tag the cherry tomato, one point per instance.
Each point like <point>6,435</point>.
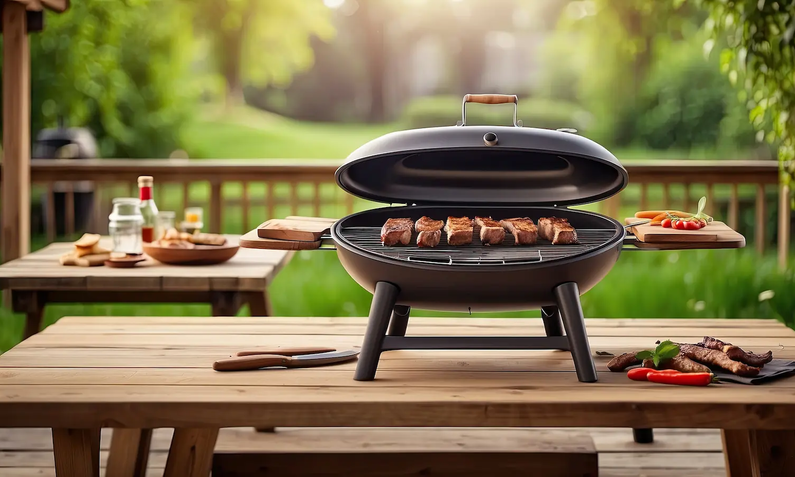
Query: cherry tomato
<point>666,223</point>
<point>692,225</point>
<point>678,224</point>
<point>702,222</point>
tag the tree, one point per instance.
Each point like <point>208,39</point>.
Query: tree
<point>260,42</point>
<point>761,56</point>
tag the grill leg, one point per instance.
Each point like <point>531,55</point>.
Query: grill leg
<point>568,297</point>
<point>399,321</point>
<point>643,436</point>
<point>552,324</point>
<point>384,299</point>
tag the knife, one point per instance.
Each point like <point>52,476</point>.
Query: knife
<point>251,362</point>
<point>286,351</point>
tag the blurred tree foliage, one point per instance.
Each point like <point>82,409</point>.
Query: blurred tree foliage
<point>257,42</point>
<point>760,55</point>
<point>114,67</point>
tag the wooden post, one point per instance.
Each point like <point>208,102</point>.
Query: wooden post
<point>784,212</point>
<point>759,232</point>
<point>16,132</point>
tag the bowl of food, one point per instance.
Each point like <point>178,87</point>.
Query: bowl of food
<point>180,248</point>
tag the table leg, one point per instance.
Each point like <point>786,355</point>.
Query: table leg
<point>191,453</point>
<point>758,453</point>
<point>76,452</point>
<point>259,303</point>
<point>129,452</point>
<point>32,304</point>
<point>225,303</point>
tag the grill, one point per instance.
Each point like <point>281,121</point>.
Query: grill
<point>369,239</point>
<point>484,171</point>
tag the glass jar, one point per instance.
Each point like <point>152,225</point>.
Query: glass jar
<point>193,222</point>
<point>125,223</point>
<point>166,220</point>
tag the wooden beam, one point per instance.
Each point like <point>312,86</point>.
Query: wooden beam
<point>16,132</point>
<point>37,5</point>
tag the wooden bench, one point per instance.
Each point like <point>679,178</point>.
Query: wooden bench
<point>405,451</point>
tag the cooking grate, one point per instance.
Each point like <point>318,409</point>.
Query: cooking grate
<point>369,239</point>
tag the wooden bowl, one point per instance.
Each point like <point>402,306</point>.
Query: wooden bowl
<point>199,255</point>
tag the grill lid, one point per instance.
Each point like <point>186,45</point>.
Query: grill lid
<point>482,165</point>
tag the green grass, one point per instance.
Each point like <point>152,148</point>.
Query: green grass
<point>691,284</point>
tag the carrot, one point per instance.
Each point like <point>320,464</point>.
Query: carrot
<point>657,220</point>
<point>651,214</point>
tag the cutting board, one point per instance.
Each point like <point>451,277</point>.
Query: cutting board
<point>253,240</point>
<point>714,235</point>
<point>304,229</point>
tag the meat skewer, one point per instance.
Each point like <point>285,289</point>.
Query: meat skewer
<point>491,232</point>
<point>736,353</point>
<point>556,230</point>
<point>523,229</point>
<point>459,230</point>
<point>429,231</point>
<point>396,231</point>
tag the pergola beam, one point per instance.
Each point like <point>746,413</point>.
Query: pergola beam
<point>38,5</point>
<point>16,132</point>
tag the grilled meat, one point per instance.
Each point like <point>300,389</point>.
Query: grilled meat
<point>556,230</point>
<point>491,232</point>
<point>396,231</point>
<point>459,230</point>
<point>623,361</point>
<point>427,224</point>
<point>717,358</point>
<point>429,239</point>
<point>736,353</point>
<point>523,229</point>
<point>680,363</point>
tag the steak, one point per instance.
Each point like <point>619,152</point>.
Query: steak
<point>429,231</point>
<point>523,229</point>
<point>459,230</point>
<point>396,231</point>
<point>491,232</point>
<point>558,231</point>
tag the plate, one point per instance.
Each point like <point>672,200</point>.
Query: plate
<point>199,255</point>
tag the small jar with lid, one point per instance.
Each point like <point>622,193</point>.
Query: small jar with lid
<point>166,220</point>
<point>193,222</point>
<point>125,224</point>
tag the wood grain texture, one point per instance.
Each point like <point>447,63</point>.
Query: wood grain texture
<point>252,240</point>
<point>737,452</point>
<point>76,452</point>
<point>705,237</point>
<point>191,452</point>
<point>164,378</point>
<point>129,453</point>
<point>301,230</point>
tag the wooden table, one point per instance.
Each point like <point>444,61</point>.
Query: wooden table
<point>82,374</point>
<point>38,279</point>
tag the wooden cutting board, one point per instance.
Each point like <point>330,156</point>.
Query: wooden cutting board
<point>253,240</point>
<point>301,229</point>
<point>714,235</point>
<point>312,219</point>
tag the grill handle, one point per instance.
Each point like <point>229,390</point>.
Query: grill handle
<point>490,99</point>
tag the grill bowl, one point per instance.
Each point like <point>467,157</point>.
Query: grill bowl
<point>466,288</point>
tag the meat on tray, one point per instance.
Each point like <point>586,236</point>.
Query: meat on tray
<point>491,232</point>
<point>429,231</point>
<point>556,230</point>
<point>459,230</point>
<point>396,231</point>
<point>523,229</point>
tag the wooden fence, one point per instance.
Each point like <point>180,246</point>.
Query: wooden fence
<point>733,188</point>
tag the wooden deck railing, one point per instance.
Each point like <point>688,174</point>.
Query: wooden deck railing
<point>735,190</point>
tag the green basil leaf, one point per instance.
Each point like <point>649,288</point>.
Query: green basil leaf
<point>662,345</point>
<point>656,361</point>
<point>644,355</point>
<point>669,351</point>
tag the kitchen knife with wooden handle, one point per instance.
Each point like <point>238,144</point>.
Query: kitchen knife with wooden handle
<point>286,351</point>
<point>246,363</point>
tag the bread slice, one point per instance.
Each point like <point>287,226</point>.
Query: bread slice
<point>396,231</point>
<point>556,230</point>
<point>491,232</point>
<point>459,230</point>
<point>523,229</point>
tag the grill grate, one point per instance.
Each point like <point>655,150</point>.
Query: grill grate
<point>369,239</point>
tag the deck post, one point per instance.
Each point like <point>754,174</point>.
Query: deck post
<point>16,133</point>
<point>784,212</point>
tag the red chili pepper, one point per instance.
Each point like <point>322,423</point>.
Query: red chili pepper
<point>639,374</point>
<point>682,379</point>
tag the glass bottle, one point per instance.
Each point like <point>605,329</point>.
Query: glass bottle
<point>148,208</point>
<point>125,221</point>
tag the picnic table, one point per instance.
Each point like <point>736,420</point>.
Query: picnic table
<point>38,279</point>
<point>83,374</point>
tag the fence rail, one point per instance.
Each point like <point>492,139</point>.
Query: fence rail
<point>732,187</point>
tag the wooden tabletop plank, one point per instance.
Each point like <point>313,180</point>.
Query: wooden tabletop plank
<point>248,270</point>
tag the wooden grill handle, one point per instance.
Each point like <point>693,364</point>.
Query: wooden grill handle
<point>491,98</point>
<point>244,363</point>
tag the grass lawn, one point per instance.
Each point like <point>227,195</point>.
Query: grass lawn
<point>727,283</point>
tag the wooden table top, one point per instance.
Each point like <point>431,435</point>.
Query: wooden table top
<point>156,372</point>
<point>248,270</point>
